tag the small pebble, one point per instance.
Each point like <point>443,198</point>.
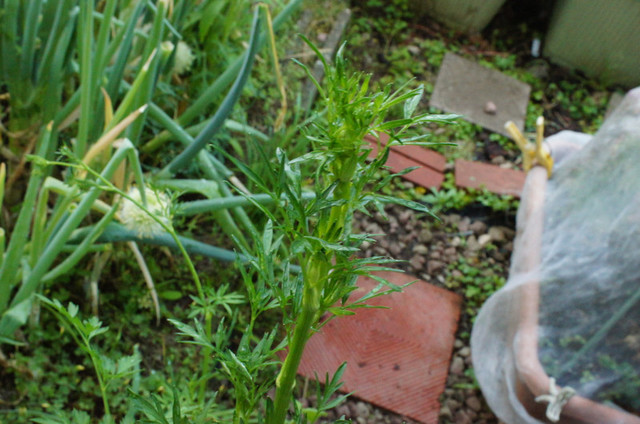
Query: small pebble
<point>484,239</point>
<point>405,216</point>
<point>472,243</point>
<point>362,409</point>
<point>490,108</point>
<point>395,250</point>
<point>445,412</point>
<point>414,50</point>
<point>434,265</point>
<point>457,366</point>
<point>478,227</point>
<point>416,261</point>
<point>474,403</point>
<point>462,418</point>
<point>464,225</point>
<point>420,249</point>
<point>452,404</point>
<point>425,236</point>
<point>451,253</point>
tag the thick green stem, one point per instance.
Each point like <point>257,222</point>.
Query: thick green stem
<point>287,376</point>
<point>315,271</point>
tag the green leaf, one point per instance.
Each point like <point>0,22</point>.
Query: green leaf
<point>267,236</point>
<point>225,108</point>
<point>410,141</point>
<point>196,334</point>
<point>108,364</point>
<point>404,202</point>
<point>176,414</point>
<point>313,79</point>
<point>312,414</point>
<point>153,411</point>
<point>332,246</point>
<point>80,417</point>
<point>300,245</point>
<point>209,15</point>
<point>443,119</point>
<point>394,124</point>
<point>20,312</point>
<point>13,318</point>
<point>92,327</point>
<point>170,295</point>
<point>339,311</point>
<point>411,104</point>
<point>239,365</point>
<point>127,365</point>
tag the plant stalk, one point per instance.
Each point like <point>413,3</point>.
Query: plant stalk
<point>314,273</point>
<point>286,377</point>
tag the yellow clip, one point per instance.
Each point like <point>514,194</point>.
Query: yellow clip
<point>532,155</point>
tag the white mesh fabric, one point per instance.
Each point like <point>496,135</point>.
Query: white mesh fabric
<point>588,269</point>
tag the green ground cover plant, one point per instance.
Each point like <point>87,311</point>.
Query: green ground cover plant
<point>477,280</point>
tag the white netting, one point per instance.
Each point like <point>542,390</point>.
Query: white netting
<point>579,238</point>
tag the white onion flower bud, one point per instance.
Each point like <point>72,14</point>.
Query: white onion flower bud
<point>135,219</point>
<point>184,58</point>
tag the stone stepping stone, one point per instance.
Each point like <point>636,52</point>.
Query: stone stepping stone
<point>397,358</point>
<point>483,96</point>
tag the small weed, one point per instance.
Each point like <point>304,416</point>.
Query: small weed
<point>479,281</point>
<point>450,197</point>
<point>504,142</point>
<point>434,51</point>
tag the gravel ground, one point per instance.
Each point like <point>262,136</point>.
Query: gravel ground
<point>433,251</point>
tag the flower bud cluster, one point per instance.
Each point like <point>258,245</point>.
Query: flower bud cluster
<point>136,219</point>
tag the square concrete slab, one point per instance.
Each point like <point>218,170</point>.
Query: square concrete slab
<point>483,96</point>
<point>397,358</point>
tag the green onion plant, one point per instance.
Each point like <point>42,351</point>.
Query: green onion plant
<point>91,72</point>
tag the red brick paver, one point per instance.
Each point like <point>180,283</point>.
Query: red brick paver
<point>498,180</point>
<point>430,164</point>
<point>422,155</point>
<point>398,358</point>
